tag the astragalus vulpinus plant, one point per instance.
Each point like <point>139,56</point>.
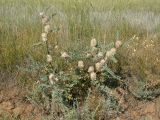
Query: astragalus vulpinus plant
<point>90,72</point>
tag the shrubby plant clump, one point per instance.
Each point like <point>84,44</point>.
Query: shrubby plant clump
<point>85,72</point>
<point>71,80</point>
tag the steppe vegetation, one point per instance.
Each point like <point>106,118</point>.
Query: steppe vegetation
<point>81,59</point>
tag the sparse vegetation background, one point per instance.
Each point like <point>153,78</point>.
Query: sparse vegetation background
<point>80,35</point>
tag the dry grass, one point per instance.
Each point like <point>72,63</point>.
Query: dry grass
<point>135,22</point>
<point>78,22</point>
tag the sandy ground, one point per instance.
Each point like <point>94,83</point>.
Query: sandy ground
<point>13,102</point>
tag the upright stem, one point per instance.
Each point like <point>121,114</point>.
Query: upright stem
<point>47,46</point>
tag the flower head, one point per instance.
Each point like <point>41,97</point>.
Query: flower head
<point>110,53</point>
<point>65,55</point>
<point>45,20</point>
<point>91,69</point>
<point>56,79</point>
<point>113,51</point>
<point>100,54</point>
<point>44,37</point>
<point>80,64</point>
<point>93,76</point>
<point>56,47</point>
<point>102,62</point>
<point>47,28</point>
<point>118,43</point>
<point>98,66</point>
<point>49,58</point>
<point>93,42</point>
<point>41,14</point>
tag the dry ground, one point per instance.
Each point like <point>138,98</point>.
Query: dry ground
<point>14,105</point>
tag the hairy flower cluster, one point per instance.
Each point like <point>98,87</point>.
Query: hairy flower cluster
<point>45,32</point>
<point>81,64</point>
<point>64,55</point>
<point>46,26</point>
<point>93,45</point>
<point>53,79</point>
<point>44,37</point>
<point>98,67</point>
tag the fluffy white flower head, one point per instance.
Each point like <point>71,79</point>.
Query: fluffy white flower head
<point>47,28</point>
<point>91,69</point>
<point>64,55</point>
<point>113,51</point>
<point>102,62</point>
<point>45,20</point>
<point>56,47</point>
<point>118,43</point>
<point>41,14</point>
<point>108,54</point>
<point>49,58</point>
<point>100,54</point>
<point>81,64</point>
<point>98,66</point>
<point>93,76</point>
<point>44,37</point>
<point>93,42</point>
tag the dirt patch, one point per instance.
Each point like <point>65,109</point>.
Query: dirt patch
<point>142,110</point>
<point>13,103</point>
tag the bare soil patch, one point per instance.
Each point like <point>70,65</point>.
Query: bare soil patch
<point>13,103</point>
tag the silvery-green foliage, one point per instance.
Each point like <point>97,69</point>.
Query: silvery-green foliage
<point>69,84</point>
<point>142,92</point>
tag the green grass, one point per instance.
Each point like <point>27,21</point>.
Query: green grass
<point>75,23</point>
<point>78,20</point>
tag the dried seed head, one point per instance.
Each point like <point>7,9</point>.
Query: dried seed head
<point>49,58</point>
<point>56,47</point>
<point>53,79</point>
<point>56,79</point>
<point>118,43</point>
<point>108,54</point>
<point>47,28</point>
<point>44,37</point>
<point>93,76</point>
<point>80,64</point>
<point>41,14</point>
<point>98,66</point>
<point>91,69</point>
<point>93,42</point>
<point>113,51</point>
<point>65,55</point>
<point>102,62</point>
<point>45,20</point>
<point>100,55</point>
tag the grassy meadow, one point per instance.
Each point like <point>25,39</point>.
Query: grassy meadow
<point>74,23</point>
<point>78,21</point>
